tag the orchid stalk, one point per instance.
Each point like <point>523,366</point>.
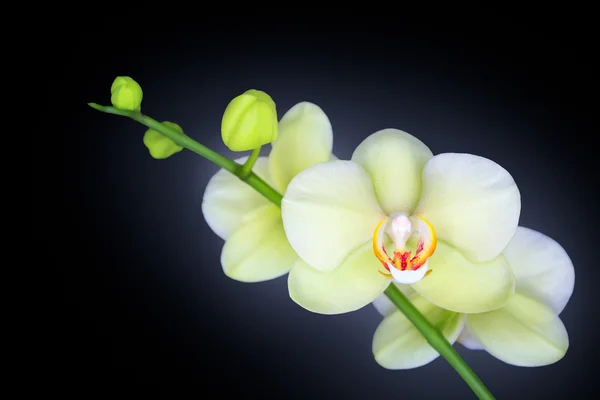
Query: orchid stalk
<point>186,142</point>
<point>244,172</point>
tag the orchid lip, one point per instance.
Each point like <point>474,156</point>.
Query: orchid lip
<point>404,267</point>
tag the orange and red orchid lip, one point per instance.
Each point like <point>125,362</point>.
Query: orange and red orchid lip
<point>403,263</point>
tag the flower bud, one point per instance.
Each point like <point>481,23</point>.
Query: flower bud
<point>126,94</point>
<point>249,121</point>
<point>160,146</point>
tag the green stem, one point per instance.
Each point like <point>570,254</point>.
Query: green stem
<point>438,342</point>
<point>249,177</point>
<point>431,334</point>
<point>247,167</point>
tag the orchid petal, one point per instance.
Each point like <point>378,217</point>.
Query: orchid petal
<point>353,285</point>
<point>525,333</point>
<point>258,250</point>
<point>228,202</point>
<point>473,203</point>
<point>459,285</point>
<point>328,210</point>
<point>542,268</point>
<point>397,344</point>
<point>305,139</point>
<point>395,161</point>
<point>468,340</point>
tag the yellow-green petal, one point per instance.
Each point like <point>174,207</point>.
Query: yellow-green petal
<point>525,333</point>
<point>542,268</point>
<point>460,285</point>
<point>398,344</point>
<point>228,202</point>
<point>305,139</point>
<point>328,210</point>
<point>472,202</point>
<point>353,285</point>
<point>395,161</point>
<point>258,250</point>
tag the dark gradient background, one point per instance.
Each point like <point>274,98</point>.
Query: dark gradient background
<point>144,307</point>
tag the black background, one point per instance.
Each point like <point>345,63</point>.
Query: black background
<point>143,306</point>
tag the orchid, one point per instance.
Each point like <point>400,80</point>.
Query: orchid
<point>526,331</point>
<point>438,235</point>
<point>256,248</point>
<point>457,211</point>
<point>475,275</point>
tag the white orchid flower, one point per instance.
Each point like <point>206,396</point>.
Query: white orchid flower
<point>256,248</point>
<point>526,331</point>
<point>457,211</point>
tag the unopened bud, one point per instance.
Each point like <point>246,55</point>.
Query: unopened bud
<point>159,145</point>
<point>126,94</point>
<point>249,121</point>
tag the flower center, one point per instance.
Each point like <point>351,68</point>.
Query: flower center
<point>404,267</point>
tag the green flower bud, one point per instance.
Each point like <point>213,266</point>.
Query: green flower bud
<point>160,146</point>
<point>126,94</point>
<point>249,121</point>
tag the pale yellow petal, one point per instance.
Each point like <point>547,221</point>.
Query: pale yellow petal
<point>398,344</point>
<point>305,139</point>
<point>228,202</point>
<point>328,211</point>
<point>353,285</point>
<point>395,161</point>
<point>460,285</point>
<point>525,333</point>
<point>472,202</point>
<point>258,250</point>
<point>542,268</point>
